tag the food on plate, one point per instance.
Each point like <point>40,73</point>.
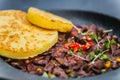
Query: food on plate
<point>84,51</point>
<point>19,39</point>
<point>31,42</point>
<point>48,20</point>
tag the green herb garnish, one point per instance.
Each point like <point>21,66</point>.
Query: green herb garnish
<point>92,56</point>
<point>78,76</point>
<point>104,56</point>
<point>45,75</point>
<point>99,38</point>
<point>107,45</point>
<point>72,75</point>
<point>103,70</point>
<point>112,41</point>
<point>98,51</point>
<point>94,36</point>
<point>89,33</point>
<point>70,52</point>
<point>83,33</point>
<point>97,56</point>
<point>52,76</point>
<point>79,52</point>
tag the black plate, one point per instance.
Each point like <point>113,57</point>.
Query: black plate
<point>77,17</point>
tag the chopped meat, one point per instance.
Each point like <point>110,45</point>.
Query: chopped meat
<point>31,67</point>
<point>60,72</point>
<point>99,64</point>
<point>92,29</point>
<point>117,52</point>
<point>82,59</point>
<point>113,48</point>
<point>41,62</point>
<point>49,67</point>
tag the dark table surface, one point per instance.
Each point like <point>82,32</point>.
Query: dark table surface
<point>109,7</point>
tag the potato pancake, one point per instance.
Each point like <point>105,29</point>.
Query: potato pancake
<point>48,20</point>
<point>19,39</point>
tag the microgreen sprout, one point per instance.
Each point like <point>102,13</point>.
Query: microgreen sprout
<point>109,43</point>
<point>103,70</point>
<point>108,39</point>
<point>79,57</point>
<point>92,62</point>
<point>92,56</point>
<point>104,56</point>
<point>45,75</point>
<point>70,52</point>
<point>79,52</point>
<point>96,38</point>
<point>110,30</point>
<point>98,44</point>
<point>79,30</point>
<point>112,41</point>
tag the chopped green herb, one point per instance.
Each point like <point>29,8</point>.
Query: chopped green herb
<point>78,76</point>
<point>97,56</point>
<point>99,38</point>
<point>103,70</point>
<point>92,56</point>
<point>112,41</point>
<point>89,33</point>
<point>45,75</point>
<point>84,33</point>
<point>70,52</point>
<point>104,56</point>
<point>71,75</point>
<point>94,36</point>
<point>107,45</point>
<point>98,51</point>
<point>52,76</point>
<point>79,51</point>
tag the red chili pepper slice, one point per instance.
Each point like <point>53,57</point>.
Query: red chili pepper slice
<point>89,44</point>
<point>66,47</point>
<point>88,37</point>
<point>84,47</point>
<point>76,46</point>
<point>72,45</point>
<point>75,49</point>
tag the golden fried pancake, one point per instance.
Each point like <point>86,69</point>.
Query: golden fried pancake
<point>19,39</point>
<point>48,20</point>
